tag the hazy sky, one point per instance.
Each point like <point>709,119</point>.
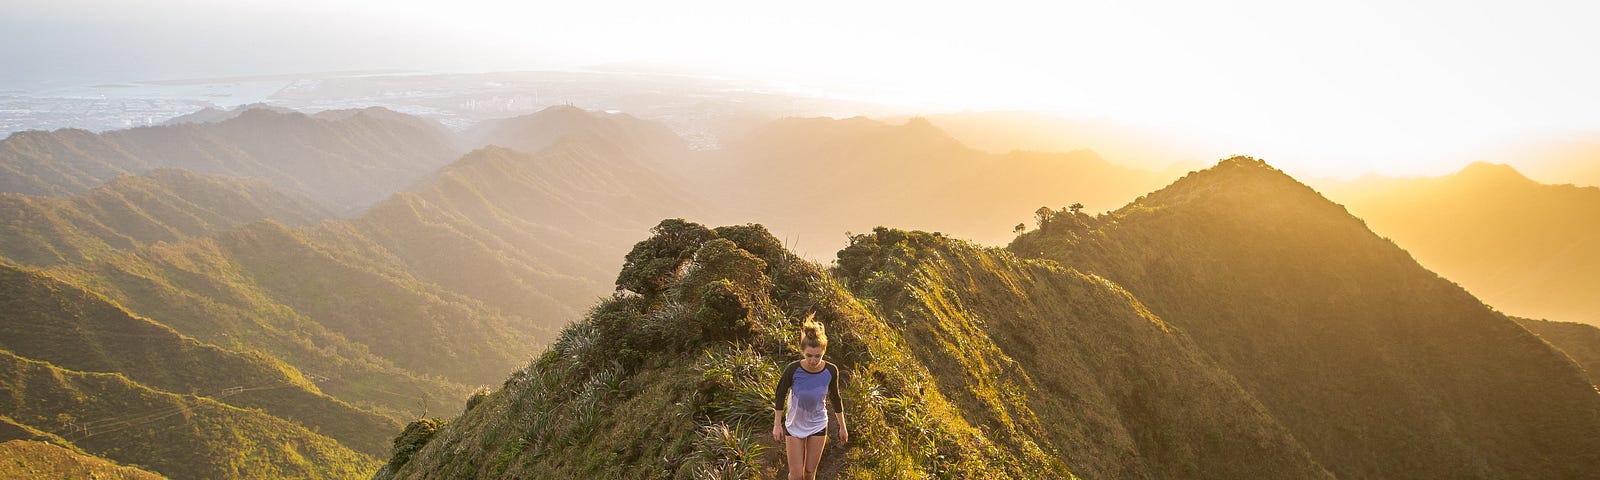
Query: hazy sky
<point>1359,81</point>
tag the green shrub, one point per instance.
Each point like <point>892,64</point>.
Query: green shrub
<point>412,439</point>
<point>722,316</point>
<point>477,397</point>
<point>653,263</point>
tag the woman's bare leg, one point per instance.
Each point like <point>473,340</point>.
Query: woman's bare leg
<point>814,446</point>
<point>795,447</point>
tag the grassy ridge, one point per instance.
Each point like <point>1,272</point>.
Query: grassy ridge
<point>178,436</point>
<point>130,211</point>
<point>1041,354</point>
<point>24,459</point>
<point>47,320</point>
<point>204,289</point>
<point>690,363</point>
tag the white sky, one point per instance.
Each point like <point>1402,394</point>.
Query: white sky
<point>1322,87</point>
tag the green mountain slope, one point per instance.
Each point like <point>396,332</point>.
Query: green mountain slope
<point>1375,364</point>
<point>164,205</point>
<point>343,160</point>
<point>43,319</point>
<point>1525,248</point>
<point>266,287</point>
<point>27,460</point>
<point>11,430</point>
<point>450,284</point>
<point>177,436</point>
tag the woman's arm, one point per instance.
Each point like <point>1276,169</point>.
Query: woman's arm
<point>844,433</point>
<point>780,395</point>
<point>836,405</point>
<point>777,425</point>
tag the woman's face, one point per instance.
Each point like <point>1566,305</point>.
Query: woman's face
<point>813,357</point>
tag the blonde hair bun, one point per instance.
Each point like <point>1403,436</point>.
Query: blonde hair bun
<point>812,333</point>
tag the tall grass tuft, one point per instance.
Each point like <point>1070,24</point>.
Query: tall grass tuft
<point>727,453</point>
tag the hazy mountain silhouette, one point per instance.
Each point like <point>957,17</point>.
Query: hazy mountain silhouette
<point>536,131</point>
<point>816,178</point>
<point>1525,248</point>
<point>214,114</point>
<point>343,160</point>
<point>1146,148</point>
<point>1558,158</point>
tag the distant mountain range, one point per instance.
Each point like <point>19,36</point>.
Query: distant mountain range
<point>344,160</point>
<point>817,178</point>
<point>1525,248</point>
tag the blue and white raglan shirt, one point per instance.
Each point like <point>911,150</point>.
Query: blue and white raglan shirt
<point>804,414</point>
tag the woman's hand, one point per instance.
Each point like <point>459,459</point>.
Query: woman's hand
<point>844,434</point>
<point>777,433</point>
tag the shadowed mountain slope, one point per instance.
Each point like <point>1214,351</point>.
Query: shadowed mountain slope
<point>1375,364</point>
<point>1579,341</point>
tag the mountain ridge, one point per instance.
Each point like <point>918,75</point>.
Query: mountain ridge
<point>1279,280</point>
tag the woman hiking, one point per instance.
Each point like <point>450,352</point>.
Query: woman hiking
<point>807,394</point>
